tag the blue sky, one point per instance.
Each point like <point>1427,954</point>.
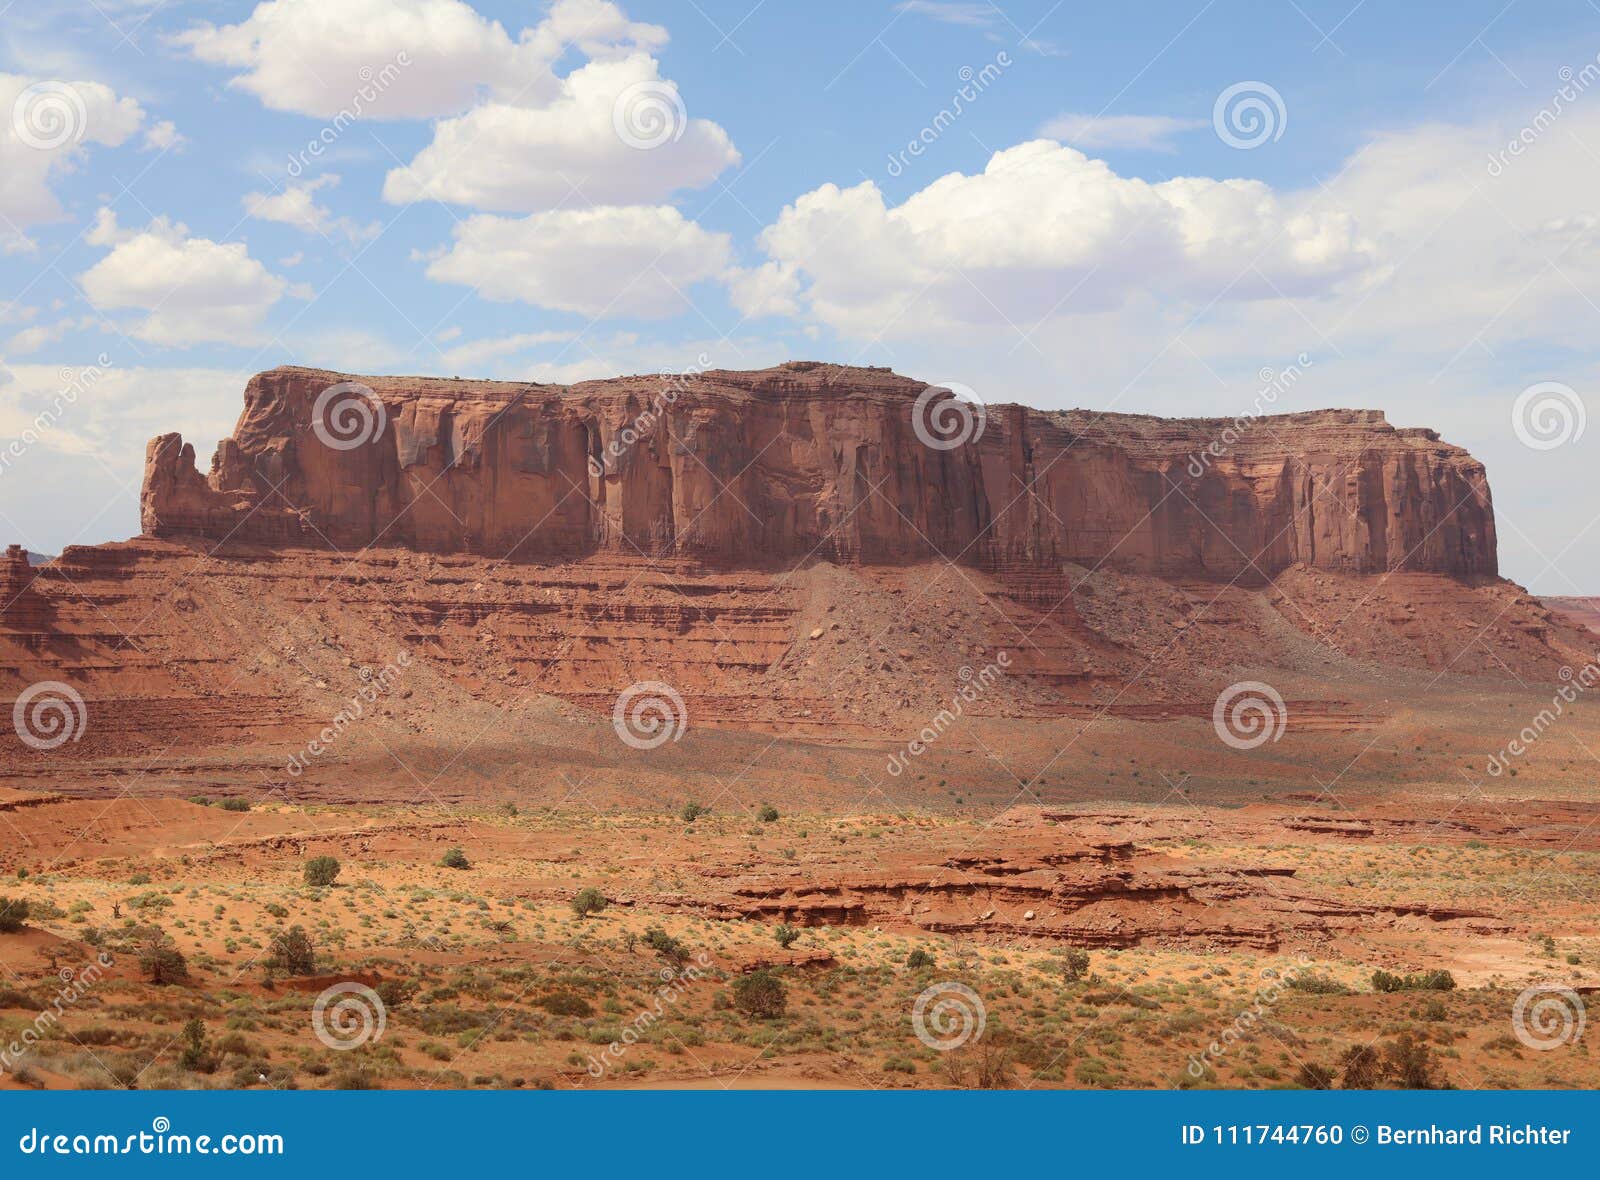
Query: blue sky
<point>1078,230</point>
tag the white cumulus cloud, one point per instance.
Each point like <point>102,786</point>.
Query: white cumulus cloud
<point>1046,229</point>
<point>46,128</point>
<point>314,57</point>
<point>603,262</point>
<point>193,289</point>
<point>584,148</point>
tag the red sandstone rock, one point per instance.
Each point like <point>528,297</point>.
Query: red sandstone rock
<point>806,459</point>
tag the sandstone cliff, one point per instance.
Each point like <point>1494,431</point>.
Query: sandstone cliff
<point>771,467</point>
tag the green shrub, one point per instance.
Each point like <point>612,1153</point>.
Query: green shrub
<point>13,913</point>
<point>234,805</point>
<point>1318,985</point>
<point>588,901</point>
<point>321,871</point>
<point>760,994</point>
<point>768,813</point>
<point>692,811</point>
<point>666,946</point>
<point>786,935</point>
<point>918,959</point>
<point>1428,981</point>
<point>455,859</point>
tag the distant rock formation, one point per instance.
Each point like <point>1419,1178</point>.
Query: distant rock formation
<point>848,464</point>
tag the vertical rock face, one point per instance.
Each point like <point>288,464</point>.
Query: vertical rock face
<point>806,459</point>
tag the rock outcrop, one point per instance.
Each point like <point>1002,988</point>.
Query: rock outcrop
<point>772,467</point>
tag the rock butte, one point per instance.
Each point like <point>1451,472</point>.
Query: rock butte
<point>811,460</point>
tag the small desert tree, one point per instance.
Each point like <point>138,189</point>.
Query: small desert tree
<point>321,871</point>
<point>292,952</point>
<point>768,813</point>
<point>786,935</point>
<point>159,957</point>
<point>455,859</point>
<point>588,901</point>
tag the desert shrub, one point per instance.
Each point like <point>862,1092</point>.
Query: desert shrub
<point>666,946</point>
<point>1409,1064</point>
<point>1074,963</point>
<point>276,910</point>
<point>918,959</point>
<point>987,1064</point>
<point>291,952</point>
<point>692,811</point>
<point>234,805</point>
<point>760,994</point>
<point>768,813</point>
<point>13,913</point>
<point>1315,1077</point>
<point>1435,981</point>
<point>565,1004</point>
<point>786,935</point>
<point>196,1054</point>
<point>159,957</point>
<point>455,859</point>
<point>588,901</point>
<point>321,871</point>
<point>1360,1068</point>
<point>1317,985</point>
